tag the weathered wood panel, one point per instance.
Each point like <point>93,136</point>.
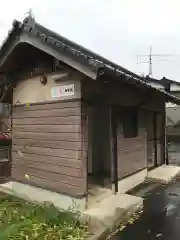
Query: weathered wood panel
<point>50,113</point>
<point>130,142</point>
<point>131,152</point>
<point>48,167</point>
<point>72,145</point>
<point>47,145</point>
<point>57,161</point>
<point>132,161</point>
<point>18,175</point>
<point>45,128</point>
<point>51,176</point>
<point>55,105</point>
<point>47,136</point>
<point>74,154</point>
<point>72,120</point>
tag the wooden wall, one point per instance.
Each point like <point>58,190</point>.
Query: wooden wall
<point>155,137</point>
<point>159,138</point>
<point>131,152</point>
<point>150,140</point>
<point>47,146</point>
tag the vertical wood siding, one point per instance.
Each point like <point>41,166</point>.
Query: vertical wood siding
<point>47,145</point>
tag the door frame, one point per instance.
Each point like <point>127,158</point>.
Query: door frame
<point>152,116</point>
<point>89,127</point>
<point>155,138</point>
<point>113,142</point>
<point>162,139</point>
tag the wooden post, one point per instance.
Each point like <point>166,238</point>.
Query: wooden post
<point>113,142</point>
<point>165,145</point>
<point>155,137</point>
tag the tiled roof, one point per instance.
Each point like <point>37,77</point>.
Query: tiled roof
<point>80,54</point>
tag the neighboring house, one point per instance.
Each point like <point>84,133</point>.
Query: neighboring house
<point>172,118</point>
<point>90,125</point>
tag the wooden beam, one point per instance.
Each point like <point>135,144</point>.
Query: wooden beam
<point>113,154</point>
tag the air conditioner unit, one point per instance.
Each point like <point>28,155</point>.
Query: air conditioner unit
<point>5,109</point>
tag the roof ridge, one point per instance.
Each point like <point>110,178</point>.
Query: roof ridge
<point>73,49</point>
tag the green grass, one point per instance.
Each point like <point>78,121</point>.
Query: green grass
<point>21,220</point>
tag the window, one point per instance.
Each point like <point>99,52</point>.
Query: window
<point>130,122</point>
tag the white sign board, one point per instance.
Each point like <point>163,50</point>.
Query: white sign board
<point>62,91</point>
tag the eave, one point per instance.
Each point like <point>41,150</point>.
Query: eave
<point>81,59</point>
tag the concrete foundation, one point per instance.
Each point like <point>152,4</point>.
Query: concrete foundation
<point>40,195</point>
<point>105,212</point>
<point>104,216</point>
<point>163,174</point>
<point>107,215</point>
<point>128,183</point>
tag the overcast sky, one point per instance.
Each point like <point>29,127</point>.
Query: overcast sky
<point>116,29</point>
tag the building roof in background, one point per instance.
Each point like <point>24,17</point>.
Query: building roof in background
<point>164,83</point>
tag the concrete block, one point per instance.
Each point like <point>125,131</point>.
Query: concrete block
<point>40,195</point>
<point>111,212</point>
<point>128,183</point>
<point>163,174</point>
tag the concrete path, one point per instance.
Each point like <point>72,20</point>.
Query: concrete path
<point>107,215</point>
<point>110,212</point>
<point>163,174</point>
<point>161,216</point>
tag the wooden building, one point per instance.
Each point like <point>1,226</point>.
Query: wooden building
<point>172,118</point>
<point>79,122</point>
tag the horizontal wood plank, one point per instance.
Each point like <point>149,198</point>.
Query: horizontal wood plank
<point>134,148</point>
<point>126,143</point>
<point>47,136</point>
<point>47,106</point>
<point>48,128</point>
<point>131,152</point>
<point>72,120</point>
<point>74,181</point>
<point>74,154</point>
<point>46,145</point>
<point>126,173</point>
<point>54,185</point>
<point>63,112</point>
<point>71,145</point>
<point>59,161</point>
<point>69,171</point>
